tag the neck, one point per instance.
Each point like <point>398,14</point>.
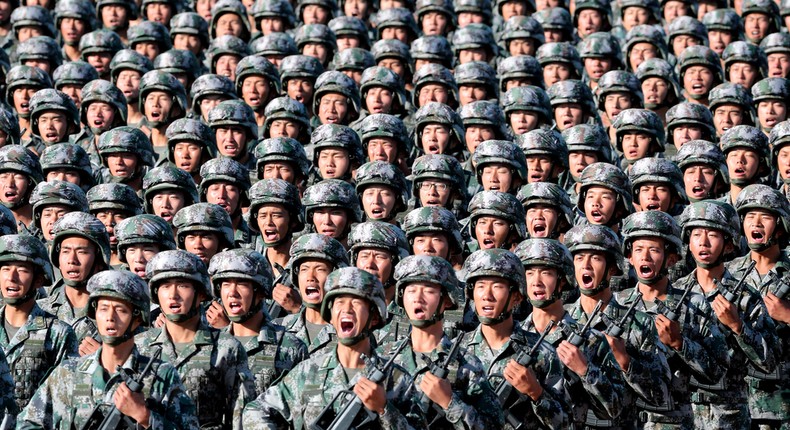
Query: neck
<point>78,297</point>
<point>734,191</point>
<point>656,291</point>
<point>133,115</point>
<point>259,117</point>
<point>588,302</point>
<point>428,338</point>
<point>114,356</point>
<point>183,332</point>
<point>350,356</point>
<point>313,316</point>
<point>705,277</point>
<point>72,52</point>
<point>17,315</point>
<point>158,137</point>
<point>389,294</point>
<point>114,261</point>
<point>279,255</point>
<point>497,334</point>
<point>251,327</point>
<point>766,260</point>
<point>24,124</point>
<point>541,317</point>
<point>24,214</point>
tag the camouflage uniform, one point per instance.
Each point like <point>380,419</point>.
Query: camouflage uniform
<point>236,113</point>
<point>288,109</point>
<point>213,365</point>
<point>498,205</point>
<point>130,140</point>
<point>332,193</point>
<point>584,138</point>
<point>552,195</point>
<point>280,192</point>
<point>68,156</point>
<point>47,100</point>
<point>68,396</point>
<point>140,230</point>
<point>8,409</point>
<point>229,171</point>
<point>659,171</point>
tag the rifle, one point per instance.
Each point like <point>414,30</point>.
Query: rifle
<point>616,329</point>
<point>505,390</point>
<point>441,371</point>
<point>781,289</point>
<point>347,418</point>
<point>731,295</point>
<point>115,419</point>
<point>673,314</point>
<point>576,338</point>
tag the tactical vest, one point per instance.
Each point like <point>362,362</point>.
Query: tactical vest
<point>31,362</point>
<point>205,385</point>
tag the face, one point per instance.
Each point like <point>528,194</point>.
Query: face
<point>147,49</point>
<point>100,115</point>
<point>377,262</point>
<point>674,9</point>
<point>718,40</point>
<point>74,92</point>
<point>397,33</point>
<point>435,244</point>
<point>707,245</point>
<point>379,202</point>
<point>545,4</point>
<point>435,138</point>
<point>466,18</point>
<point>187,156</point>
<point>513,8</point>
<point>555,72</point>
<point>540,168</point>
<point>114,317</point>
<point>15,186</point>
<point>783,162</point>
<point>590,269</point>
<point>434,24</point>
<point>471,93</point>
<point>274,222</point>
<point>331,222</point>
<point>28,32</point>
<point>334,163</point>
<point>742,164</point>
<point>226,66</point>
<point>317,50</point>
<point>76,258</point>
<point>744,74</point>
<point>523,121</point>
<point>698,181</point>
<point>100,62</point>
<point>22,96</point>
<point>596,67</point>
<point>636,145</point>
<point>203,244</point>
<point>159,106</point>
<point>655,196</point>
<point>255,92</point>
<point>356,8</point>
<point>167,204</point>
<point>231,141</point>
<point>477,134</point>
<point>685,133</point>
<point>497,177</point>
<point>315,14</point>
<point>333,108</point>
<point>397,66</point>
<point>542,282</point>
<point>578,160</point>
<point>422,300</point>
<point>435,193</point>
<point>683,41</point>
<point>138,256</point>
<point>110,218</point>
<point>312,274</point>
<point>727,116</point>
<point>472,54</point>
<point>599,205</point>
<point>238,296</point>
<point>756,26</point>
<point>614,103</point>
<point>647,257</point>
<point>541,220</point>
<point>521,47</point>
<point>229,24</point>
<point>121,164</point>
<point>49,215</point>
<point>433,93</point>
<point>641,52</point>
<point>567,115</point>
<point>759,226</point>
<point>491,294</point>
<point>53,127</point>
<point>114,16</point>
<point>552,35</point>
<point>698,81</point>
<point>383,149</point>
<point>63,174</point>
<point>159,12</point>
<point>590,21</point>
<point>71,29</point>
<point>771,112</point>
<point>188,42</point>
<point>226,195</point>
<point>379,100</point>
<point>177,296</point>
<point>635,15</point>
<point>284,128</point>
<point>128,82</point>
<point>779,65</point>
<point>491,232</point>
<point>18,278</point>
<point>279,170</point>
<point>356,75</point>
<point>203,8</point>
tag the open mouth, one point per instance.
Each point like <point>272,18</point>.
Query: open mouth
<point>330,173</point>
<point>433,202</point>
<point>271,235</point>
<point>230,148</point>
<point>111,330</point>
<point>175,308</point>
<point>536,177</point>
<point>653,206</point>
<point>12,291</point>
<point>377,108</point>
<point>697,88</point>
<point>51,137</point>
<point>521,129</point>
<point>587,281</point>
<point>156,114</point>
<point>494,187</point>
<point>312,293</point>
<point>487,243</point>
<point>234,307</point>
<point>347,326</point>
<point>254,101</point>
<point>187,166</point>
<point>539,229</point>
<point>697,191</point>
<point>328,231</point>
<point>139,270</point>
<point>539,294</point>
<point>646,271</point>
<point>166,215</point>
<point>596,216</point>
<point>420,313</point>
<point>332,119</point>
<point>24,107</point>
<point>487,311</point>
<point>71,274</point>
<point>432,148</point>
<point>568,122</point>
<point>224,205</point>
<point>757,236</point>
<point>739,171</point>
<point>11,195</point>
<point>377,213</point>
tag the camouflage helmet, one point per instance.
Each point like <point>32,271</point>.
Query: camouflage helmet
<point>705,153</point>
<point>100,42</point>
<point>255,65</point>
<point>204,217</point>
<point>647,224</point>
<point>690,114</point>
<point>520,67</point>
<point>223,7</point>
<point>157,80</point>
<point>7,222</point>
<point>330,6</point>
<point>82,225</point>
<point>396,17</point>
<point>659,68</point>
<point>433,73</point>
<point>226,45</point>
<point>17,158</point>
<point>120,285</point>
<point>426,269</point>
<point>588,138</point>
<point>556,18</point>
<point>273,9</point>
<point>544,142</point>
<point>379,235</point>
<point>608,176</point>
<point>572,91</point>
<point>598,239</point>
<point>68,156</point>
<point>178,62</point>
<point>645,34</point>
<point>338,83</point>
<point>290,109</point>
<point>477,73</point>
<point>174,264</point>
<point>746,136</point>
<point>315,33</point>
<point>687,26</point>
<point>234,113</point>
<point>24,76</point>
<point>522,27</point>
<point>33,16</point>
<point>548,194</point>
<point>131,8</point>
<point>601,45</point>
<point>393,48</point>
<point>528,98</point>
<point>115,197</point>
<point>224,169</point>
<point>357,283</point>
<point>778,139</point>
<point>143,229</point>
<point>193,131</point>
<point>28,249</point>
<point>475,36</point>
<point>499,263</point>
<point>500,152</point>
<point>300,66</point>
<point>316,246</point>
<point>657,170</point>
<point>9,124</point>
<point>210,85</point>
<point>442,167</point>
<point>759,196</point>
<point>771,89</point>
<point>337,136</point>
<point>192,24</point>
<point>275,44</point>
<point>383,77</point>
<point>433,220</point>
<point>50,99</point>
<point>245,264</point>
<point>275,191</point>
<point>127,59</point>
<point>724,19</point>
<point>744,52</point>
<point>700,55</point>
<point>351,26</point>
<point>481,7</point>
<point>546,253</point>
<point>149,32</point>
<point>383,125</point>
<point>616,81</point>
<point>711,214</point>
<point>775,43</point>
<point>353,59</point>
<point>499,205</point>
<point>601,6</point>
<point>640,121</point>
<point>433,48</point>
<point>282,149</point>
<point>439,113</point>
<point>768,8</point>
<point>485,112</point>
<point>445,7</point>
<point>42,48</point>
<point>82,10</point>
<point>332,193</point>
<point>378,173</point>
<point>560,52</point>
<point>168,177</point>
<point>57,193</point>
<point>734,94</point>
<point>99,90</point>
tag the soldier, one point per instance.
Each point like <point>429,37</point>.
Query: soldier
<point>760,18</point>
<point>183,65</point>
<point>615,92</point>
<point>385,138</point>
<point>438,130</point>
<point>496,220</point>
<point>227,183</point>
<point>190,144</point>
<point>34,341</point>
<point>435,17</point>
<point>700,70</point>
<point>127,155</point>
<point>203,229</point>
<point>431,49</point>
<point>148,38</point>
<point>656,185</point>
<point>527,108</point>
<point>242,281</point>
<point>519,71</point>
<point>354,303</point>
<point>98,48</point>
<point>9,127</point>
<point>353,62</point>
<point>235,131</point>
<point>777,50</point>
<point>337,153</point>
<point>140,238</point>
<point>189,32</point>
<point>495,279</point>
<point>22,82</point>
<point>484,120</point>
<point>316,11</point>
<point>115,15</point>
<point>572,104</point>
<point>744,63</point>
<point>660,87</point>
<point>75,390</point>
<point>40,51</point>
<point>282,158</point>
<point>331,206</point>
<point>548,210</point>
<point>434,83</point>
<point>600,54</point>
<point>126,69</point>
<point>639,134</point>
<point>439,180</point>
<point>695,346</point>
<point>167,190</point>
<point>286,117</point>
<point>587,144</point>
<point>685,31</point>
<point>298,74</point>
<point>723,26</point>
<point>396,23</point>
<point>560,61</point>
<point>111,204</point>
<point>382,189</point>
<point>275,47</point>
<point>257,83</point>
<point>53,117</point>
<point>770,97</point>
<point>350,32</point>
<point>272,16</point>
<point>73,19</point>
<point>604,196</point>
<point>207,92</point>
<point>162,101</point>
<point>425,289</point>
<point>746,150</point>
<point>685,122</point>
<point>213,364</point>
<point>381,93</point>
<point>474,43</point>
<point>731,105</point>
<point>336,99</point>
<point>643,42</point>
<point>158,10</point>
<point>52,200</point>
<point>67,162</point>
<point>229,17</point>
<point>557,24</point>
<point>316,40</point>
<point>704,170</point>
<point>103,107</point>
<point>313,258</point>
<point>546,155</point>
<point>9,409</point>
<point>434,231</point>
<point>20,172</point>
<point>395,55</point>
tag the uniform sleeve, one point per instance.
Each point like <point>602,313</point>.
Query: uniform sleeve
<point>66,345</point>
<point>648,374</point>
<point>275,408</point>
<point>704,348</point>
<point>398,405</point>
<point>243,383</point>
<point>604,382</point>
<point>475,406</point>
<point>758,338</point>
<point>550,408</point>
<point>7,400</point>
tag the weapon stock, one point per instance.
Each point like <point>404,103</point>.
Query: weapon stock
<point>616,329</point>
<point>576,338</point>
<point>732,295</point>
<point>441,372</point>
<point>673,314</point>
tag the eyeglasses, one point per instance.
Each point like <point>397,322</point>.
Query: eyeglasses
<point>439,186</point>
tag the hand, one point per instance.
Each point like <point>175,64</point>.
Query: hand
<point>727,313</point>
<point>288,298</point>
<point>88,346</point>
<point>617,346</point>
<point>572,358</point>
<point>215,315</point>
<point>778,309</point>
<point>669,332</point>
<point>523,379</point>
<point>437,389</point>
<point>160,320</point>
<point>132,405</point>
<point>372,395</point>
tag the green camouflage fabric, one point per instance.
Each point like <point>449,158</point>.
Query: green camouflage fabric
<point>767,8</point>
<point>315,33</point>
<point>652,224</point>
<point>691,114</point>
<point>427,269</point>
<point>393,48</point>
<point>192,131</point>
<point>549,253</point>
<point>235,113</point>
<point>116,197</point>
<point>595,238</point>
<point>433,73</point>
<point>440,167</point>
<point>571,91</point>
<point>640,121</point>
<point>724,19</point>
<point>499,205</point>
<point>128,59</point>
<point>35,16</point>
<point>190,23</point>
<point>130,140</point>
<point>273,8</point>
<point>556,18</point>
<point>560,52</point>
<point>482,7</point>
<point>235,7</point>
<point>177,264</point>
<point>485,112</point>
<point>275,191</point>
<point>334,82</point>
<point>151,32</point>
<point>157,80</point>
<point>102,91</point>
<point>608,176</point>
<point>645,34</point>
<point>434,220</point>
<point>42,48</point>
<point>299,66</point>
<point>358,283</point>
<point>168,177</point>
<point>100,42</point>
<point>351,26</point>
<point>657,170</point>
<point>379,235</point>
<point>735,94</point>
<point>660,68</point>
<point>700,55</point>
<point>433,48</point>
<point>383,77</point>
<point>337,136</point>
<point>143,229</point>
<point>601,45</point>
<point>599,5</point>
<point>78,9</point>
<point>290,109</point>
<point>177,61</point>
<point>588,138</point>
<point>529,98</point>
<point>778,139</point>
<point>25,248</point>
<point>712,215</point>
<point>329,5</point>
<point>83,225</point>
<point>383,125</point>
<point>314,245</point>
<point>275,44</point>
<point>747,137</point>
<point>120,285</point>
<point>67,397</point>
<point>775,42</point>
<point>475,36</point>
<point>204,217</point>
<point>687,26</point>
<point>226,170</point>
<point>226,45</point>
<point>744,52</point>
<point>443,6</point>
<point>705,153</point>
<point>355,59</point>
<point>499,263</point>
<point>332,193</point>
<point>439,113</point>
<point>214,85</point>
<point>771,89</point>
<point>521,27</point>
<point>378,173</point>
<point>546,193</point>
<point>8,409</point>
<point>396,17</point>
<point>758,196</point>
<point>544,142</point>
<point>56,193</point>
<point>619,81</point>
<point>520,67</point>
<point>7,221</point>
<point>258,66</point>
<point>9,125</point>
<point>27,76</point>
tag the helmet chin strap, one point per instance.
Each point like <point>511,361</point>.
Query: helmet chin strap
<point>656,279</point>
<point>127,334</point>
<point>353,340</point>
<point>544,303</point>
<point>180,318</point>
<point>436,317</point>
<point>505,314</point>
<point>254,309</point>
<point>19,301</point>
